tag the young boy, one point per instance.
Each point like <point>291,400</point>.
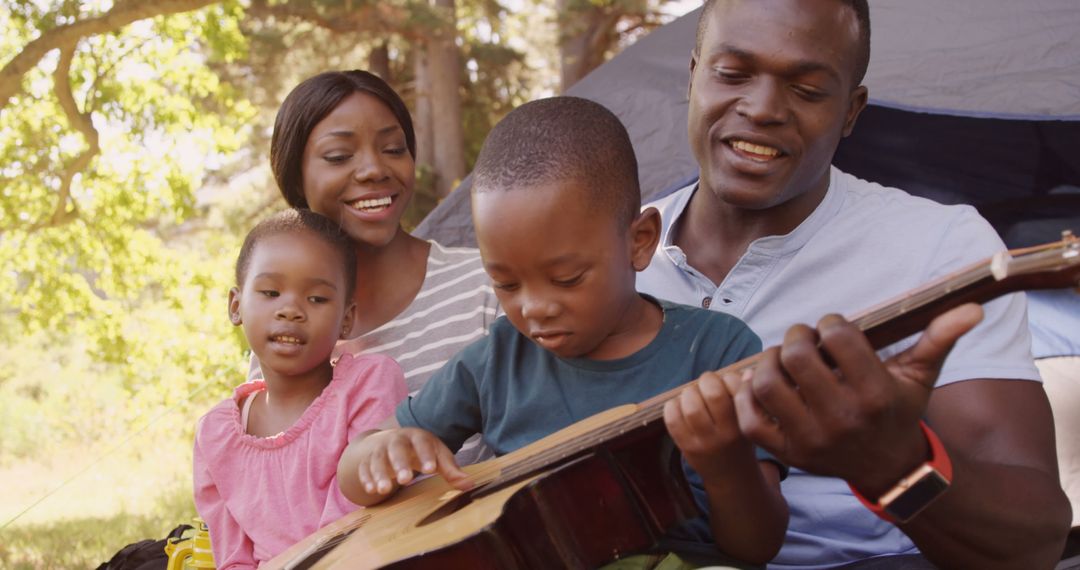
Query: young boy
<point>555,204</point>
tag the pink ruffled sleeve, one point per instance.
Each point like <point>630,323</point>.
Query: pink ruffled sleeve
<point>233,550</point>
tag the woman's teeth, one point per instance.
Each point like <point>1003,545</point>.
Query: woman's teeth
<point>372,204</point>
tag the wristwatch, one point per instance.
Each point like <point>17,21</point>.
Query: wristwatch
<point>917,489</point>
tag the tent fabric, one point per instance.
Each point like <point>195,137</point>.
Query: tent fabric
<point>971,102</point>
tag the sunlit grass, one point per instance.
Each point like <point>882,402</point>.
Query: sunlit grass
<point>92,510</point>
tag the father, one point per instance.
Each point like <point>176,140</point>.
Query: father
<point>775,235</point>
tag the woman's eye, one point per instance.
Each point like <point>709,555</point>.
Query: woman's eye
<point>504,286</point>
<point>337,158</point>
<point>397,151</point>
<point>268,293</point>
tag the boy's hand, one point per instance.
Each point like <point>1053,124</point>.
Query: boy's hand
<point>393,456</point>
<point>702,422</point>
<point>385,460</point>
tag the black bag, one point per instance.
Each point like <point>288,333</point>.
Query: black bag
<point>146,554</point>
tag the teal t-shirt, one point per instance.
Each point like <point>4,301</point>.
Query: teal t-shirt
<point>507,388</point>
<point>514,392</point>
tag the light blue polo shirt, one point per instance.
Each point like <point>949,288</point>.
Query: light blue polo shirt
<point>863,245</point>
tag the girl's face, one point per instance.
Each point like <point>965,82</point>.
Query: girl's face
<point>357,170</point>
<point>292,304</point>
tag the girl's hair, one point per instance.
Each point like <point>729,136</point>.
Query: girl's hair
<point>294,221</point>
<point>310,102</point>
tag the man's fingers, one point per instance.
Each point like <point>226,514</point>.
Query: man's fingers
<point>922,361</point>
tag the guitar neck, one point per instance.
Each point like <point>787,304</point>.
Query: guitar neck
<point>1050,266</point>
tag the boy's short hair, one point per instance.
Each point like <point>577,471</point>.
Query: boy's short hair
<point>558,139</point>
<point>293,221</point>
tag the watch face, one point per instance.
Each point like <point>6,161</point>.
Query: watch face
<point>918,496</point>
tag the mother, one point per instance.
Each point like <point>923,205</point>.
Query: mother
<point>343,145</point>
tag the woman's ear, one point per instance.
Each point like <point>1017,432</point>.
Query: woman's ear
<point>234,307</point>
<point>644,237</point>
<point>348,320</point>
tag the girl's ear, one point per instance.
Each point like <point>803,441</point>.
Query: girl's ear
<point>347,321</point>
<point>644,237</point>
<point>234,307</point>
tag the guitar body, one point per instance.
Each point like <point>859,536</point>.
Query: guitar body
<point>589,508</point>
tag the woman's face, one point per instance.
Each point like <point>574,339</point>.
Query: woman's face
<point>358,171</point>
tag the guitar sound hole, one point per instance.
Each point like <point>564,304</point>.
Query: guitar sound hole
<point>448,508</point>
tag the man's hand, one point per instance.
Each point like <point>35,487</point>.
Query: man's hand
<point>381,461</point>
<point>858,421</point>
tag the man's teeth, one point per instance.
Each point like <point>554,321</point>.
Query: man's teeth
<point>755,149</point>
<point>287,339</point>
<point>372,204</point>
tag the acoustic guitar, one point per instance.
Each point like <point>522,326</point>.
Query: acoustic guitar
<point>610,485</point>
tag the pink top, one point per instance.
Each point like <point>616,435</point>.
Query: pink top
<point>260,495</point>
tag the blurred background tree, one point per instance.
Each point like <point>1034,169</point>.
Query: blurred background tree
<point>133,156</point>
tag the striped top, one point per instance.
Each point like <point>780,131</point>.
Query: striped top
<point>454,307</point>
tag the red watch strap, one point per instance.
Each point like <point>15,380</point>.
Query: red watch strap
<point>939,460</point>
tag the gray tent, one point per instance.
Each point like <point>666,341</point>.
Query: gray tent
<point>970,102</point>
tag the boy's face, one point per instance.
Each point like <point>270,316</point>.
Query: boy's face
<point>292,303</point>
<point>562,270</point>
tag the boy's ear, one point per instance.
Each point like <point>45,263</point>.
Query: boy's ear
<point>644,237</point>
<point>348,320</point>
<point>234,307</point>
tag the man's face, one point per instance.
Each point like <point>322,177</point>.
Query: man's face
<point>562,271</point>
<point>771,94</point>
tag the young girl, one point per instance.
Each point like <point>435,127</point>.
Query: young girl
<point>266,459</point>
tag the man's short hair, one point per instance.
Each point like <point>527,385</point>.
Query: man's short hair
<point>560,139</point>
<point>862,16</point>
<point>295,221</point>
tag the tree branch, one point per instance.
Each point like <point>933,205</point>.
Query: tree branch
<point>81,122</point>
<point>121,14</point>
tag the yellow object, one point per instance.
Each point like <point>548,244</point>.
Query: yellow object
<point>191,552</point>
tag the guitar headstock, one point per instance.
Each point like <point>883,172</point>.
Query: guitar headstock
<point>1051,266</point>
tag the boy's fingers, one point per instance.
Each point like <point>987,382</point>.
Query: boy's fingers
<point>403,460</point>
<point>426,453</point>
<point>449,469</point>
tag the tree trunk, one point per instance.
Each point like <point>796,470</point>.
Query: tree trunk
<point>423,119</point>
<point>445,68</point>
<point>379,61</point>
<point>120,15</point>
<point>586,34</point>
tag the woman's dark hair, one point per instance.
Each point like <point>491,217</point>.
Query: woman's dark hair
<point>309,103</point>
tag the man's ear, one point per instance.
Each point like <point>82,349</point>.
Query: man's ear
<point>856,105</point>
<point>644,237</point>
<point>234,307</point>
<point>347,320</point>
<point>693,65</point>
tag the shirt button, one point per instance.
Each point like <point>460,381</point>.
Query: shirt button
<point>706,302</point>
